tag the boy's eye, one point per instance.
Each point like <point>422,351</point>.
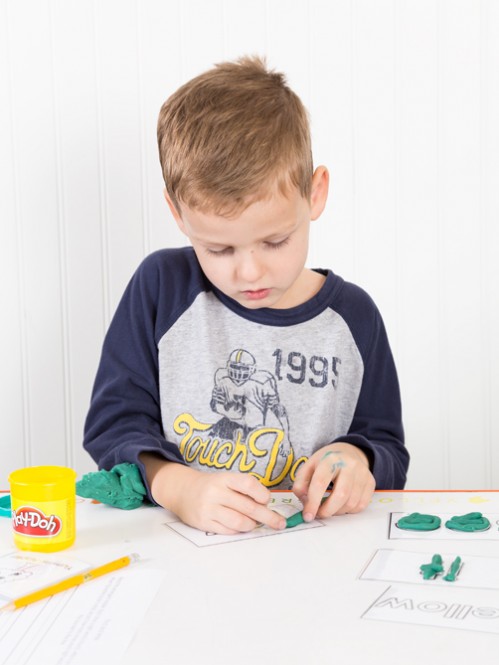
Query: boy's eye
<point>219,252</point>
<point>226,251</point>
<point>277,245</point>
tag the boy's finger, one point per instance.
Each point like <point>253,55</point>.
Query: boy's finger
<point>342,502</point>
<point>312,505</point>
<point>360,497</point>
<point>249,509</point>
<point>249,502</point>
<point>249,486</point>
<point>366,495</point>
<point>272,519</point>
<point>328,468</point>
<point>232,520</point>
<point>303,478</point>
<point>316,490</point>
<point>340,495</point>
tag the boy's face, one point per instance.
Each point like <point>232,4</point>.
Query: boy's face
<point>258,257</point>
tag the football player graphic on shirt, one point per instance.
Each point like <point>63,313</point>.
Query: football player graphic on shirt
<point>244,395</point>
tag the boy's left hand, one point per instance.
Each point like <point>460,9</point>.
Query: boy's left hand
<point>348,467</point>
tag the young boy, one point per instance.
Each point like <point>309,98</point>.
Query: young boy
<point>230,368</point>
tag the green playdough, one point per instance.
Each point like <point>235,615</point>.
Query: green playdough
<point>297,518</point>
<point>453,571</point>
<point>122,487</point>
<point>468,522</point>
<point>294,520</point>
<point>418,522</point>
<point>431,570</point>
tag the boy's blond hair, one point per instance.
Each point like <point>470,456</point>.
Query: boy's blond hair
<point>231,136</point>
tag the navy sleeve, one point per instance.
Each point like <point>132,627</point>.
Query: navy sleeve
<point>124,418</point>
<point>377,427</point>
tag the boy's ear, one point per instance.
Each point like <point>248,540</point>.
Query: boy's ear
<point>176,215</point>
<point>320,188</point>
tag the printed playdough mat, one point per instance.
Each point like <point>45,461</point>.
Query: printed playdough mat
<point>286,504</point>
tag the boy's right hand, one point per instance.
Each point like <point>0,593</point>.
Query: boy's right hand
<point>223,502</point>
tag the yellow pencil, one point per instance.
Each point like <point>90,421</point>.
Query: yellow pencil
<point>76,580</point>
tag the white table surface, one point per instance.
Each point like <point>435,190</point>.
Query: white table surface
<point>293,598</point>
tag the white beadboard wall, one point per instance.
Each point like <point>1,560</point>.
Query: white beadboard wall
<point>404,100</point>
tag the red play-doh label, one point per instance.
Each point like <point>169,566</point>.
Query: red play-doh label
<point>30,521</point>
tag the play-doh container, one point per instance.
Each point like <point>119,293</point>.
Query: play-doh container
<point>43,502</point>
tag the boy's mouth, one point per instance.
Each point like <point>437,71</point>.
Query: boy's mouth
<point>259,294</point>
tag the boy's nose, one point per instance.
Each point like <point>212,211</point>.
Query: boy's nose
<point>249,267</point>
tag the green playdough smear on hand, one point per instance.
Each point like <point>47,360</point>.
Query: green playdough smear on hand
<point>419,522</point>
<point>468,522</point>
<point>122,487</point>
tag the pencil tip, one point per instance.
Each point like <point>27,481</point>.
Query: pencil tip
<point>8,608</point>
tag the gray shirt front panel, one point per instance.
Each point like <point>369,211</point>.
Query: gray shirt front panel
<point>244,396</point>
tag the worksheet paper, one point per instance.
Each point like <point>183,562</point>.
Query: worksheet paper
<point>462,609</point>
<point>386,565</point>
<point>92,623</point>
<point>286,504</point>
<point>442,533</point>
<point>24,572</point>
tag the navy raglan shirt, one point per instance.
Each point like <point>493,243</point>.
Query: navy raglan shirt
<point>190,374</point>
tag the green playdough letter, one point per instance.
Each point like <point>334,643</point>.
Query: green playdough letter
<point>470,522</point>
<point>418,522</point>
